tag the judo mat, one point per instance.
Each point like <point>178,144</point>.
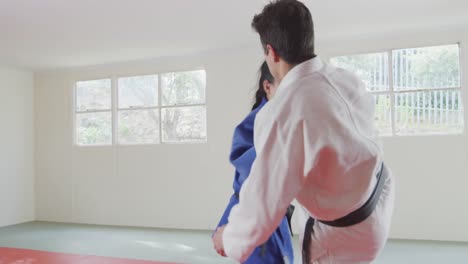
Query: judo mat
<point>26,256</point>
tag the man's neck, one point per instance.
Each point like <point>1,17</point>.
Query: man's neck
<point>284,68</point>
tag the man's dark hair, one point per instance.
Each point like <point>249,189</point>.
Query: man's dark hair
<point>288,27</point>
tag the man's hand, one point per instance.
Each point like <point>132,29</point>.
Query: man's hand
<point>218,241</point>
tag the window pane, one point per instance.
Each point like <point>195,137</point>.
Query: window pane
<point>183,88</point>
<point>371,68</point>
<point>424,68</point>
<point>383,114</point>
<point>184,124</point>
<point>139,127</point>
<point>431,112</point>
<point>93,95</point>
<point>94,128</point>
<point>138,91</point>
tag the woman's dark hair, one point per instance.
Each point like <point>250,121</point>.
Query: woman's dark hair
<point>265,74</point>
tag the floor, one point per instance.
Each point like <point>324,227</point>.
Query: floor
<point>186,246</point>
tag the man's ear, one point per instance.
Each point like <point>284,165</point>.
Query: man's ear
<point>272,53</point>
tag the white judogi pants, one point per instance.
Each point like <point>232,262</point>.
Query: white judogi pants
<point>356,244</point>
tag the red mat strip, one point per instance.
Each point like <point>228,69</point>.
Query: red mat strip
<point>26,256</point>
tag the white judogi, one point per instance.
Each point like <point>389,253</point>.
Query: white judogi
<point>316,142</point>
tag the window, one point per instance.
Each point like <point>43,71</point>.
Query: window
<point>183,112</point>
<point>93,112</point>
<point>417,91</point>
<point>148,109</point>
<point>138,115</point>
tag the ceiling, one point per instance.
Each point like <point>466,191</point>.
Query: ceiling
<point>64,33</point>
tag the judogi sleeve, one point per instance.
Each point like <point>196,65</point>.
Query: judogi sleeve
<point>276,177</point>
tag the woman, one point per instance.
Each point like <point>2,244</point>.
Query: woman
<point>278,248</point>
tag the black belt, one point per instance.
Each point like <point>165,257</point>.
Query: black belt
<point>289,213</point>
<point>351,219</point>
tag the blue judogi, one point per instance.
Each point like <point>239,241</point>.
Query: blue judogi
<point>278,248</point>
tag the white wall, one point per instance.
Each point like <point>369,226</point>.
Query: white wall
<point>174,186</point>
<point>16,147</point>
<point>187,186</point>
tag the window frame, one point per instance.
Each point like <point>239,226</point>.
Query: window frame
<point>392,92</point>
<point>114,110</point>
<point>76,112</point>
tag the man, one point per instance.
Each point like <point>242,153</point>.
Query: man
<point>316,143</point>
